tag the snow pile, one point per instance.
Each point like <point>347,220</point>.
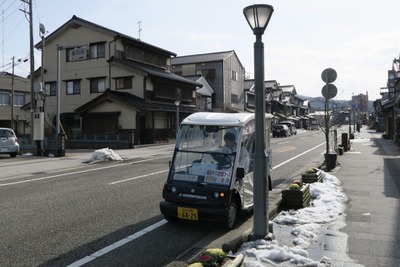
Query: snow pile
<point>326,207</point>
<point>104,154</point>
<point>357,135</point>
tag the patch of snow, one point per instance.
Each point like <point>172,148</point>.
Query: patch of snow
<point>104,154</point>
<point>326,207</point>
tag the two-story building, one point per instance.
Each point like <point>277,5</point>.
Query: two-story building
<point>109,82</point>
<point>15,89</point>
<point>224,73</point>
<point>387,109</point>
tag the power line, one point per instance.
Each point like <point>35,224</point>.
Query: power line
<point>17,8</point>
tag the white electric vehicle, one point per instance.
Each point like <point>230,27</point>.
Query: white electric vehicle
<point>206,181</point>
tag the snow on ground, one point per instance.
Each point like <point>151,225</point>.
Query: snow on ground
<point>104,154</point>
<point>326,207</point>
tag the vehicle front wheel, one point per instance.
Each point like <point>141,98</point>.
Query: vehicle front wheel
<point>232,216</point>
<point>13,155</point>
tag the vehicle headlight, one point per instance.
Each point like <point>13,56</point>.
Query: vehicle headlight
<point>171,189</point>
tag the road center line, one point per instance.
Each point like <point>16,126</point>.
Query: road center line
<point>117,244</point>
<point>137,177</point>
<point>295,157</point>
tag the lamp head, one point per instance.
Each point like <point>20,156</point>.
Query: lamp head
<point>258,17</point>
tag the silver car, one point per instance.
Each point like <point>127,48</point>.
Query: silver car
<point>8,142</point>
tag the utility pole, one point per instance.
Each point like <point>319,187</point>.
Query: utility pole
<point>12,94</point>
<point>32,73</point>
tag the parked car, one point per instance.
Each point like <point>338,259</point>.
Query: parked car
<point>280,130</point>
<point>314,126</point>
<point>8,142</point>
<point>292,127</point>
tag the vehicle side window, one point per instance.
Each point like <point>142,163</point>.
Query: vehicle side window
<point>247,150</point>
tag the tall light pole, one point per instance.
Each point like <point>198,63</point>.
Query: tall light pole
<point>59,48</point>
<point>258,17</point>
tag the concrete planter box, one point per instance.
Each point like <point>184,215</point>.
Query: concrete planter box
<point>312,177</point>
<point>296,199</point>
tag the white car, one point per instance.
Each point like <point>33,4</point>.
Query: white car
<point>8,142</point>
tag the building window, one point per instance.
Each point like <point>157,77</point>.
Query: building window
<point>124,83</point>
<point>97,85</point>
<point>209,74</point>
<point>5,97</point>
<point>97,50</point>
<point>19,99</point>
<point>234,99</point>
<point>73,87</point>
<point>234,75</point>
<point>50,88</point>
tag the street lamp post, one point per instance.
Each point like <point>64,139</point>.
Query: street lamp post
<point>258,17</point>
<point>177,102</point>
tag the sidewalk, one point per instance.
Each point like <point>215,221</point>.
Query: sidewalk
<point>370,175</point>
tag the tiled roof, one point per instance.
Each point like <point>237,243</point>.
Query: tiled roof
<point>138,102</point>
<point>249,84</point>
<point>210,57</point>
<point>79,21</point>
<point>153,71</point>
<point>206,90</point>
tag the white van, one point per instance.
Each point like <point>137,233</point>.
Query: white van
<point>291,126</point>
<point>208,179</point>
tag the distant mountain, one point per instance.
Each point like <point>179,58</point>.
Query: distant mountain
<point>318,103</point>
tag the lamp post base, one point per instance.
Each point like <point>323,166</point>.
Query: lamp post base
<point>269,237</point>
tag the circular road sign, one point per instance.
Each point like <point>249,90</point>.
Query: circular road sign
<point>329,91</point>
<point>329,75</point>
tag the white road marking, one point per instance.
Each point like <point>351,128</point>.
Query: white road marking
<point>117,244</point>
<point>299,155</point>
<point>281,143</point>
<point>137,177</point>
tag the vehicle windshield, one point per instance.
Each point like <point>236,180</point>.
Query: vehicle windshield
<point>205,154</point>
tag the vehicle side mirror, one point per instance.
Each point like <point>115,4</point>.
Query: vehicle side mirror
<point>239,173</point>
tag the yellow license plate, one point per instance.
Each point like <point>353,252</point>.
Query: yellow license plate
<point>188,214</point>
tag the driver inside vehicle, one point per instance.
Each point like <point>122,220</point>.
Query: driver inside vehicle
<point>231,146</point>
<point>230,143</point>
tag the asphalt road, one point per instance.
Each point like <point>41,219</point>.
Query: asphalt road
<point>55,213</point>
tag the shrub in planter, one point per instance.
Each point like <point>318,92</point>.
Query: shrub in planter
<point>312,175</point>
<point>212,257</point>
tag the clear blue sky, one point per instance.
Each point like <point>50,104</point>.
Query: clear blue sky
<point>358,38</point>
